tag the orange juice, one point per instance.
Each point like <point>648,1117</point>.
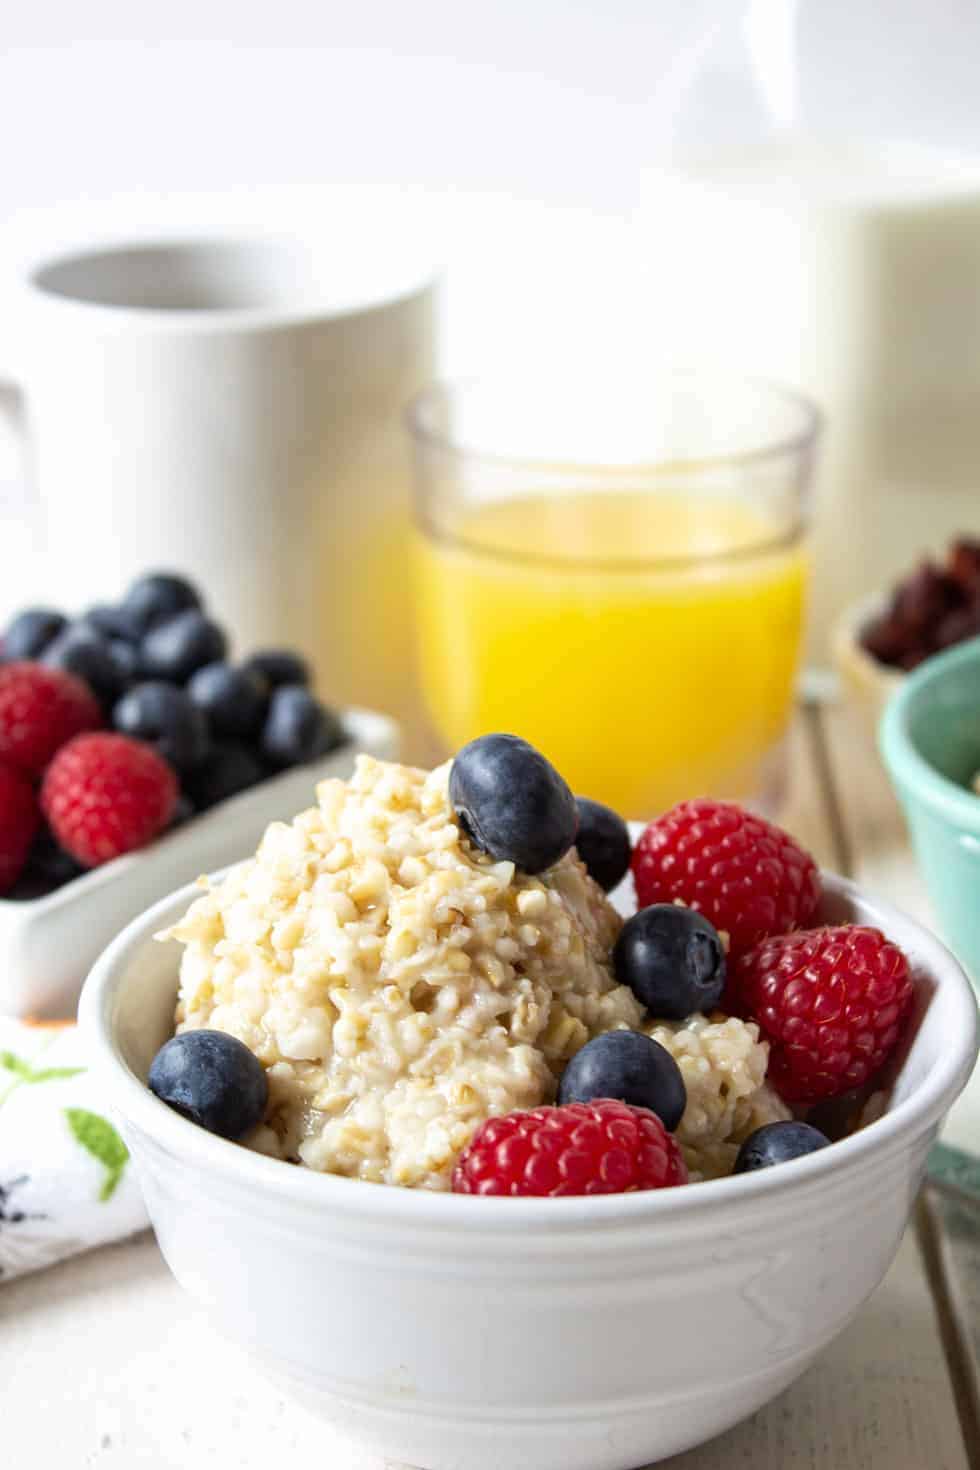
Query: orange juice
<point>646,642</point>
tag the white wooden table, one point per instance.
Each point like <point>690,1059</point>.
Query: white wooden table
<point>105,1363</point>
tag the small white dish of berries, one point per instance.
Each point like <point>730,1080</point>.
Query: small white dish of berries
<point>135,755</point>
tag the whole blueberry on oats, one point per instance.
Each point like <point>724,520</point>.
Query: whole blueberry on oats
<point>212,1079</point>
<point>672,959</point>
<point>631,1067</point>
<point>777,1143</point>
<point>603,843</point>
<point>512,803</point>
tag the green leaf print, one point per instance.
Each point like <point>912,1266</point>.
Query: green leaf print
<point>101,1140</point>
<point>25,1074</point>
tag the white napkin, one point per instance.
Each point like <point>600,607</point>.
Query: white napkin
<point>66,1181</point>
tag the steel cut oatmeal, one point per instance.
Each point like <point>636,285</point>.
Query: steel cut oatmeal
<point>400,988</point>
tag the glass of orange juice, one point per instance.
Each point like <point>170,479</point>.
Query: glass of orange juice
<point>618,574</point>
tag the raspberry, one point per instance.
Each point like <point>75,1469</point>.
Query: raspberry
<point>743,873</point>
<point>19,820</point>
<point>600,1147</point>
<point>830,1002</point>
<point>40,710</point>
<point>105,795</point>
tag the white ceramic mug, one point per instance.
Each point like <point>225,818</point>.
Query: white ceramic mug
<point>233,409</point>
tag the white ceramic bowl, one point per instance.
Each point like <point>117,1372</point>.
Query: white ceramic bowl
<point>573,1334</point>
<point>48,945</point>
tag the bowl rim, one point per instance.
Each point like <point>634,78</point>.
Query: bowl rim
<point>427,1209</point>
<point>908,767</point>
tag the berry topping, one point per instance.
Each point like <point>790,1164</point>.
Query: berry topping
<point>81,650</point>
<point>298,728</point>
<point>19,820</point>
<point>212,1079</point>
<point>830,1002</point>
<point>276,666</point>
<point>165,718</point>
<point>672,959</point>
<point>41,709</point>
<point>512,803</point>
<point>234,700</point>
<point>126,657</point>
<point>157,597</point>
<point>602,842</point>
<point>777,1143</point>
<point>177,648</point>
<point>48,865</point>
<point>631,1067</point>
<point>601,1147</point>
<point>30,632</point>
<point>105,795</point>
<point>743,873</point>
<point>228,769</point>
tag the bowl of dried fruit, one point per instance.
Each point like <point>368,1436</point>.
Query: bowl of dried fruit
<point>883,637</point>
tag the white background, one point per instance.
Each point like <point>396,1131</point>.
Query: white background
<point>519,129</point>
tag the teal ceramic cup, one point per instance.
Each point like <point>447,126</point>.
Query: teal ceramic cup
<point>930,741</point>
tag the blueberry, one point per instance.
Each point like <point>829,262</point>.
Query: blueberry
<point>777,1143</point>
<point>603,843</point>
<point>183,811</point>
<point>165,718</point>
<point>48,868</point>
<point>278,666</point>
<point>298,728</point>
<point>672,959</point>
<point>126,657</point>
<point>512,803</point>
<point>51,861</point>
<point>629,1066</point>
<point>158,597</point>
<point>80,650</point>
<point>114,622</point>
<point>234,700</point>
<point>31,631</point>
<point>212,1079</point>
<point>177,648</point>
<point>228,769</point>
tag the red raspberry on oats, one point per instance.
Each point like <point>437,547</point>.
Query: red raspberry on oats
<point>599,1147</point>
<point>746,875</point>
<point>830,1002</point>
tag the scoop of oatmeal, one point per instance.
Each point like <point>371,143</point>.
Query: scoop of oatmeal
<point>398,986</point>
<point>401,987</point>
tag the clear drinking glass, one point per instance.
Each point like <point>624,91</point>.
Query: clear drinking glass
<point>616,573</point>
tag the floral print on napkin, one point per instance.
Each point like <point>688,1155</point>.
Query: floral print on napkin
<point>66,1182</point>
